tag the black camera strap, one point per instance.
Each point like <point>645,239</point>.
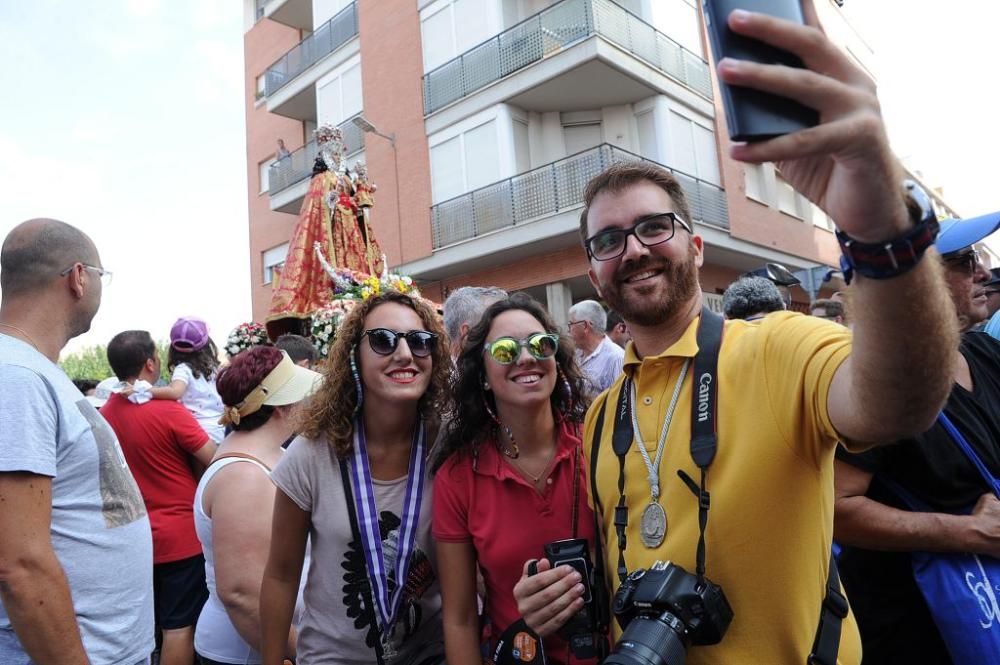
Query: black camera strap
<point>703,434</point>
<point>602,606</point>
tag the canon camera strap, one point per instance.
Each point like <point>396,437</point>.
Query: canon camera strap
<point>703,434</point>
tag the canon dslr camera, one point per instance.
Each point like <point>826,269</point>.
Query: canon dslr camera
<point>663,611</point>
<point>581,630</point>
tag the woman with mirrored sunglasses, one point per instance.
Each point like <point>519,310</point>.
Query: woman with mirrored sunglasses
<point>356,483</point>
<point>509,477</point>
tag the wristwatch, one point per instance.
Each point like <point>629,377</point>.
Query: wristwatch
<point>885,260</point>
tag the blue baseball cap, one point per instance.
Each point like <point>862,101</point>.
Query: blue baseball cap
<point>956,234</point>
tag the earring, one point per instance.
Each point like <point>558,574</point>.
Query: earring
<point>357,382</point>
<point>486,385</point>
<point>513,452</point>
<point>565,384</point>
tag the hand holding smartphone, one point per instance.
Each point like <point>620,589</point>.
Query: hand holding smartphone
<point>753,115</point>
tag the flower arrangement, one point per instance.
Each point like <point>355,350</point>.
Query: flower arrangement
<point>245,336</point>
<point>325,323</point>
<point>354,285</point>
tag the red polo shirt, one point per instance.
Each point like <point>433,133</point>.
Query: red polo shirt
<point>157,437</point>
<point>508,521</point>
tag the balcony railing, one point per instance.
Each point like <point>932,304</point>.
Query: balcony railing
<point>299,165</point>
<point>325,40</point>
<point>552,189</point>
<point>554,28</point>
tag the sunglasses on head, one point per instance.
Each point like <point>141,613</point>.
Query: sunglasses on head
<point>384,341</point>
<point>540,346</point>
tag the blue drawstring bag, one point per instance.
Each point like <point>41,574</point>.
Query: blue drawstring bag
<point>962,590</point>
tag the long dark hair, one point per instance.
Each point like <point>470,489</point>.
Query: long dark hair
<point>470,423</point>
<point>202,362</point>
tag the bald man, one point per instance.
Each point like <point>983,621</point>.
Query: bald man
<point>76,549</point>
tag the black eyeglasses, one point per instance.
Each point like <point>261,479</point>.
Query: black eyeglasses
<point>650,230</point>
<point>540,346</point>
<point>966,261</point>
<point>384,341</point>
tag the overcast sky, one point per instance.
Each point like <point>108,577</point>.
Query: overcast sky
<point>126,119</point>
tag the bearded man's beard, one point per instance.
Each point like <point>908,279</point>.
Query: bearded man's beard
<point>659,305</point>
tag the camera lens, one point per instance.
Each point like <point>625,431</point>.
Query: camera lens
<point>650,640</point>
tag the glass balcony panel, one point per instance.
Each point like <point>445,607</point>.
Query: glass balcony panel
<point>555,28</point>
<point>326,39</point>
<point>551,189</point>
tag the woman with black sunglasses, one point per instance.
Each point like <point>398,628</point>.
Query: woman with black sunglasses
<point>509,478</point>
<point>355,484</point>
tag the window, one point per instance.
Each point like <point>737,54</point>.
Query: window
<point>453,29</point>
<point>646,124</point>
<point>580,137</point>
<point>820,218</point>
<point>264,170</point>
<point>755,187</point>
<point>437,39</point>
<point>261,86</point>
<point>466,162</point>
<point>447,179</point>
<point>482,157</point>
<point>339,96</point>
<point>693,148</point>
<point>273,259</point>
<point>788,198</point>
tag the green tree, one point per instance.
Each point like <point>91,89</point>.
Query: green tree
<point>91,362</point>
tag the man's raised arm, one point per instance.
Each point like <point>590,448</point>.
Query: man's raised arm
<point>900,370</point>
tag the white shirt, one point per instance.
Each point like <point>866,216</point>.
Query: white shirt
<point>602,366</point>
<point>202,400</point>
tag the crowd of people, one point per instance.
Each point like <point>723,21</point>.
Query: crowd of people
<point>485,486</point>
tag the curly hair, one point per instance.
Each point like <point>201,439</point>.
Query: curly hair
<point>329,413</point>
<point>202,362</point>
<point>470,424</point>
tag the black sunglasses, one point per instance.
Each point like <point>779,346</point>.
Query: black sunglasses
<point>649,230</point>
<point>966,261</point>
<point>384,341</point>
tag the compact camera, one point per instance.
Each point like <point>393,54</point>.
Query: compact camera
<point>581,630</point>
<point>664,610</point>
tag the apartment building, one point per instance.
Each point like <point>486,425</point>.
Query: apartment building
<point>482,120</point>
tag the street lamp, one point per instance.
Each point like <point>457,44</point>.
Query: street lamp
<point>365,125</point>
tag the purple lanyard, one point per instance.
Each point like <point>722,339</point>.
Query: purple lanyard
<point>371,540</point>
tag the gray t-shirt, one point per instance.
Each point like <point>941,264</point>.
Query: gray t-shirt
<point>335,628</point>
<point>100,531</point>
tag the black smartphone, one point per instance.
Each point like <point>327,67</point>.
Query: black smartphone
<point>752,115</point>
<point>573,552</point>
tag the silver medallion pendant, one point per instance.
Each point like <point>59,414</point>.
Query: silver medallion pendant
<point>653,527</point>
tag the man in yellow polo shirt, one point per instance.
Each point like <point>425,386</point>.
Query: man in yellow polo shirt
<point>789,386</point>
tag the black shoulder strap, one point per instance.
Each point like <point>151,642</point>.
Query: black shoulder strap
<point>704,404</point>
<point>366,589</point>
<point>831,616</point>
<point>603,591</point>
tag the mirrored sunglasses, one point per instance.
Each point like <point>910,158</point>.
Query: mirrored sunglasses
<point>384,341</point>
<point>540,346</point>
